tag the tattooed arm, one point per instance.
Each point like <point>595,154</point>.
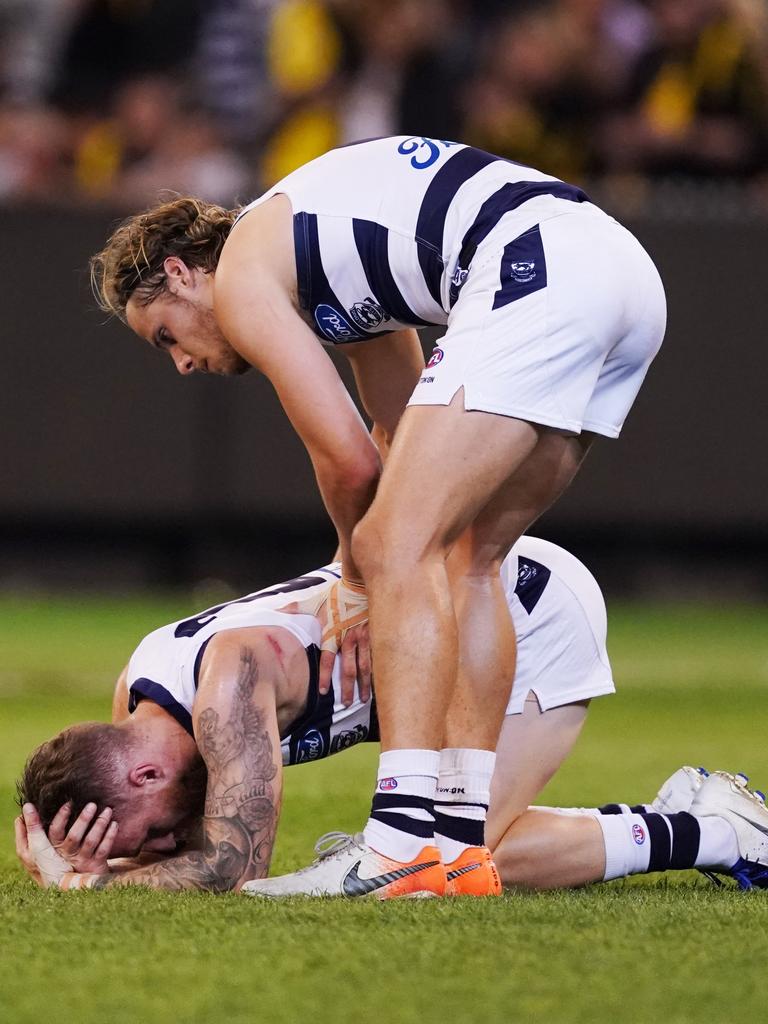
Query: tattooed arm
<point>237,734</point>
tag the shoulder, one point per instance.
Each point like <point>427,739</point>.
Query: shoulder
<point>262,238</point>
<point>258,651</point>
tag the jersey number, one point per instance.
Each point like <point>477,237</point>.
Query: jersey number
<point>418,142</point>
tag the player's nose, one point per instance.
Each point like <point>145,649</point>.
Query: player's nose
<point>183,363</point>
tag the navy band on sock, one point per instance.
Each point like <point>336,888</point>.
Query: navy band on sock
<point>686,836</point>
<point>661,841</point>
<point>463,830</point>
<point>413,826</point>
<point>610,809</point>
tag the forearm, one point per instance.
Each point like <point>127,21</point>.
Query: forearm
<point>232,854</point>
<point>347,496</point>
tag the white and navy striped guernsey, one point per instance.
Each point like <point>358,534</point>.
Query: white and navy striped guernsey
<point>165,666</point>
<point>385,229</point>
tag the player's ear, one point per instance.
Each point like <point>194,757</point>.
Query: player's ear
<point>177,272</point>
<point>145,774</point>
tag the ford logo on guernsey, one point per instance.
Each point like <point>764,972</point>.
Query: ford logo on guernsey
<point>333,324</point>
<point>385,784</point>
<point>310,747</point>
<point>436,357</point>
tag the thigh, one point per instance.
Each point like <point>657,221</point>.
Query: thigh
<point>531,748</point>
<point>539,480</point>
<point>444,467</point>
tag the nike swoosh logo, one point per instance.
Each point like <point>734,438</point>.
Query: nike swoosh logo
<point>354,885</point>
<point>463,870</point>
<point>760,828</point>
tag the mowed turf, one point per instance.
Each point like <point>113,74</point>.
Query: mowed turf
<point>692,689</point>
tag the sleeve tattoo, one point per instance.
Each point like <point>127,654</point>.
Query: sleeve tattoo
<point>241,807</point>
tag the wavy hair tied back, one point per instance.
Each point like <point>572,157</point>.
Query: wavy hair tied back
<point>131,263</point>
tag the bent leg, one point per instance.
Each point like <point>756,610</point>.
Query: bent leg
<point>485,631</point>
<point>542,850</point>
<point>531,748</point>
<point>444,467</point>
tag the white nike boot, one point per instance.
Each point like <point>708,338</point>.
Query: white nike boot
<point>727,796</point>
<point>678,792</point>
<point>347,866</point>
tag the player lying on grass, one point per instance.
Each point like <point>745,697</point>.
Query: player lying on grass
<point>227,689</point>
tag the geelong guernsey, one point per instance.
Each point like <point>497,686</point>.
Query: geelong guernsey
<point>164,667</point>
<point>385,230</point>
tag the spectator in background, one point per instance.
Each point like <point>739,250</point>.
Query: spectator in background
<point>112,41</point>
<point>697,100</point>
<point>513,106</point>
<point>231,71</point>
<point>34,145</point>
<point>152,142</point>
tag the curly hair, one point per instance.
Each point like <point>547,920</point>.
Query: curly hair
<point>131,263</point>
<point>81,764</point>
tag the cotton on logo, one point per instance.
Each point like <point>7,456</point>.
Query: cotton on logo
<point>436,357</point>
<point>638,834</point>
<point>387,784</point>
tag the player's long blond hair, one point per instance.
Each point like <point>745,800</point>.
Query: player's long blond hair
<point>131,263</point>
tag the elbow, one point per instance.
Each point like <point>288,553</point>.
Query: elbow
<point>351,475</point>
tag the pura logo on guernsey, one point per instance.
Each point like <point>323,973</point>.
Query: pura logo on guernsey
<point>333,324</point>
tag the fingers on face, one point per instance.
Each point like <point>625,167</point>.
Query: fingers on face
<point>20,834</point>
<point>58,827</point>
<point>97,832</point>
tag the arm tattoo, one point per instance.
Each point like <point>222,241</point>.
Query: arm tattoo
<point>241,808</point>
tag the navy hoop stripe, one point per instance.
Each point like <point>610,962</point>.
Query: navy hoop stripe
<point>315,292</point>
<point>148,689</point>
<point>508,197</point>
<point>430,224</point>
<point>686,836</point>
<point>396,801</point>
<point>661,841</point>
<point>462,830</point>
<point>372,241</point>
<point>402,822</point>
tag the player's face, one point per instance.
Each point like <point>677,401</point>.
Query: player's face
<point>153,827</point>
<point>164,820</point>
<point>180,321</point>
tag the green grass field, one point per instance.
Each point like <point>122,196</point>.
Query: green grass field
<point>692,686</point>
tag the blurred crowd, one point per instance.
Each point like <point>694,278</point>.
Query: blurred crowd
<point>113,101</point>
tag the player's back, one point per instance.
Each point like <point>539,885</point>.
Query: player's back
<point>379,228</point>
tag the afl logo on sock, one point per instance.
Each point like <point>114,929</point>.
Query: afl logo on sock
<point>638,834</point>
<point>436,357</point>
<point>386,784</point>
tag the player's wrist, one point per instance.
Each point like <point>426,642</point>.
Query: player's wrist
<point>357,586</point>
<point>79,880</point>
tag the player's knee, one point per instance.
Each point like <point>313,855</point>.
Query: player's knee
<point>379,550</point>
<point>516,862</point>
<point>368,546</point>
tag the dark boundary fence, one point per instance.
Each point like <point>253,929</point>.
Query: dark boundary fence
<point>117,472</point>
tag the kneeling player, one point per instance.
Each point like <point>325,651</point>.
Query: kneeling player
<point>223,690</point>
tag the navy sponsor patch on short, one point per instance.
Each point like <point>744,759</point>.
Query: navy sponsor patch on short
<point>523,268</point>
<point>334,325</point>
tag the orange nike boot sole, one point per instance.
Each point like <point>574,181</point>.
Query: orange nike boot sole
<point>473,873</point>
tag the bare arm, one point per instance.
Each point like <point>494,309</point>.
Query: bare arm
<point>237,735</point>
<point>254,306</point>
<point>386,372</point>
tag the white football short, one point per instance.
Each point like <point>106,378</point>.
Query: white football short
<point>556,324</point>
<point>561,638</point>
